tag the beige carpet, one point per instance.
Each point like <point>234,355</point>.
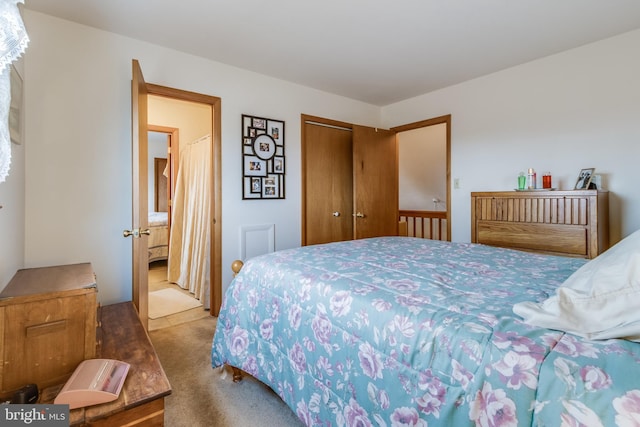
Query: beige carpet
<point>169,301</point>
<point>205,397</point>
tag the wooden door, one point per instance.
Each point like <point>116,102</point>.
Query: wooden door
<point>140,217</point>
<point>375,172</point>
<point>328,184</point>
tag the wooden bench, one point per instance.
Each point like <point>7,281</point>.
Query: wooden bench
<point>141,401</point>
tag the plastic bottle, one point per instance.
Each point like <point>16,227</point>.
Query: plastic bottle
<point>531,179</point>
<point>522,181</point>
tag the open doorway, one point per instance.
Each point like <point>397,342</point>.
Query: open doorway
<point>179,239</point>
<point>169,303</point>
<point>424,170</point>
<point>141,92</point>
<point>160,194</point>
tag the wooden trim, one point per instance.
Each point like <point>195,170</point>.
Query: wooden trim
<point>323,121</point>
<point>303,181</point>
<point>434,227</point>
<point>139,161</point>
<point>148,414</point>
<point>160,189</point>
<point>162,129</point>
<point>173,136</point>
<point>3,331</point>
<point>423,123</point>
<point>424,214</point>
<point>402,229</point>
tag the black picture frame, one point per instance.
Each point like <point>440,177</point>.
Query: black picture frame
<point>264,146</point>
<point>278,164</point>
<point>263,158</point>
<point>254,166</point>
<point>256,185</point>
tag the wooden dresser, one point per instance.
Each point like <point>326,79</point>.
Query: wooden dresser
<point>47,324</point>
<point>571,223</point>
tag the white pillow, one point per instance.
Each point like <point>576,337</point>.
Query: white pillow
<point>600,300</point>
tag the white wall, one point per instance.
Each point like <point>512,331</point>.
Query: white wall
<point>573,110</point>
<point>78,148</point>
<point>12,221</point>
<point>12,217</point>
<point>422,168</point>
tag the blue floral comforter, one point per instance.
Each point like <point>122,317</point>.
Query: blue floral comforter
<point>410,332</point>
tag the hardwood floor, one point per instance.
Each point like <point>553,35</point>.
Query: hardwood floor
<point>157,281</point>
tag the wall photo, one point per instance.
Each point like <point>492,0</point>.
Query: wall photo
<point>263,163</point>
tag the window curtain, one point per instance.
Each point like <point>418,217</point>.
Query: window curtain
<point>13,42</point>
<point>189,255</point>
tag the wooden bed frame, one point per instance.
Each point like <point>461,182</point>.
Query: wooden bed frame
<point>570,223</point>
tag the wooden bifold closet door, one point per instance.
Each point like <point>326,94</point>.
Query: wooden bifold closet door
<point>349,181</point>
<point>328,196</point>
<point>375,172</point>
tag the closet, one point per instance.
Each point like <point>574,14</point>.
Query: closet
<point>349,181</point>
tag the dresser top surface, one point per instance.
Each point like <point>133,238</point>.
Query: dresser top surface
<point>45,280</point>
<point>542,193</point>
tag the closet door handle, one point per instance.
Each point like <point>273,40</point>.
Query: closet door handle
<point>358,215</point>
<point>336,213</point>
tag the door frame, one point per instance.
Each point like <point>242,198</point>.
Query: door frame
<point>446,119</point>
<point>173,148</point>
<point>215,290</point>
<point>139,128</point>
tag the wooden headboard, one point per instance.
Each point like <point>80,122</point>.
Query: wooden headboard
<point>571,223</point>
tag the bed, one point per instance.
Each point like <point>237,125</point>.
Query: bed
<point>400,331</point>
<point>158,242</point>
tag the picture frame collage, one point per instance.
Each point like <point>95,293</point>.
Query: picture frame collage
<point>263,158</point>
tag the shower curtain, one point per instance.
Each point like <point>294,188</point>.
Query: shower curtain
<point>188,264</point>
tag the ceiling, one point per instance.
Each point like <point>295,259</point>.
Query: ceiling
<point>376,51</point>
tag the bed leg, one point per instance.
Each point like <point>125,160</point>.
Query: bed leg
<point>237,374</point>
